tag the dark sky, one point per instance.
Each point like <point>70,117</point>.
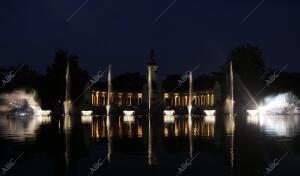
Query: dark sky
<point>122,32</point>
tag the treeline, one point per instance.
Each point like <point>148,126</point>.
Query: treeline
<point>249,72</point>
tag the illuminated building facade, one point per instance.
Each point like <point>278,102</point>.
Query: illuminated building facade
<point>204,98</point>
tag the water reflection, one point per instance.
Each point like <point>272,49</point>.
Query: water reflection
<point>21,128</point>
<point>67,131</point>
<point>86,119</point>
<point>154,141</point>
<point>230,133</point>
<point>109,136</point>
<point>276,125</point>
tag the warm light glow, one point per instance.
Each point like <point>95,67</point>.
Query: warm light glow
<point>128,118</point>
<point>169,119</point>
<point>253,112</point>
<point>45,112</point>
<point>86,119</point>
<point>209,119</point>
<point>86,113</point>
<point>169,112</point>
<point>210,112</point>
<point>128,113</point>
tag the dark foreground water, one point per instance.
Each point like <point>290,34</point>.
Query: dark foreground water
<point>158,145</point>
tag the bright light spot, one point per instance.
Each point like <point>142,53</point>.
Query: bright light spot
<point>253,112</point>
<point>45,112</point>
<point>86,113</point>
<point>44,119</point>
<point>169,119</point>
<point>210,119</point>
<point>210,112</point>
<point>169,112</point>
<point>253,119</point>
<point>281,104</point>
<point>128,118</point>
<point>128,113</point>
<point>86,119</point>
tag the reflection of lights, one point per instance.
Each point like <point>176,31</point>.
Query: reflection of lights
<point>169,112</point>
<point>253,119</point>
<point>21,129</point>
<point>230,126</point>
<point>67,124</point>
<point>169,119</point>
<point>210,119</point>
<point>210,112</point>
<point>129,119</point>
<point>252,112</point>
<point>86,119</point>
<point>140,131</point>
<point>45,119</point>
<point>128,113</point>
<point>279,125</point>
<point>276,125</point>
<point>86,113</point>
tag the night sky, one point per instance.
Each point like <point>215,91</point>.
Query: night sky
<point>122,32</point>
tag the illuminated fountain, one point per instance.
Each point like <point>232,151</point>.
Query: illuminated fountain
<point>149,90</point>
<point>20,103</point>
<point>67,102</point>
<point>190,93</point>
<point>230,99</point>
<point>108,90</point>
<point>281,104</point>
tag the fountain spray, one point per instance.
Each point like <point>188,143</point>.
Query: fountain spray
<point>108,90</point>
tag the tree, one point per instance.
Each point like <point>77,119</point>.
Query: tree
<point>247,62</point>
<point>248,69</point>
<point>55,79</point>
<point>175,83</point>
<point>131,82</point>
